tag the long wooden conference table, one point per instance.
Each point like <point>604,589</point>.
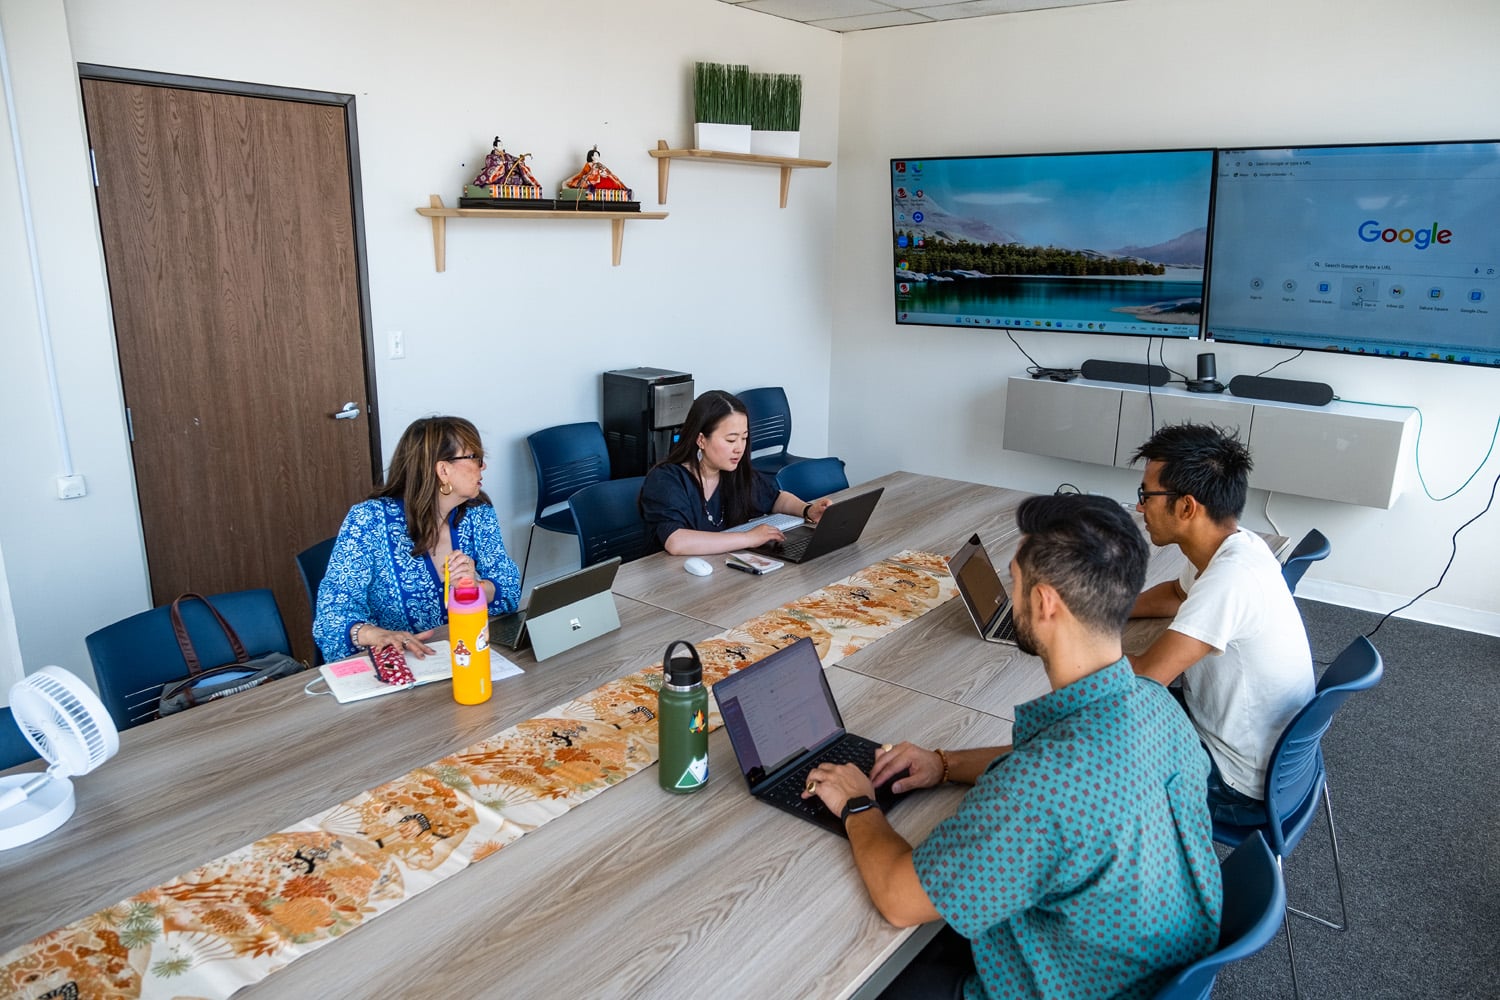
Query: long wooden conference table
<point>633,893</point>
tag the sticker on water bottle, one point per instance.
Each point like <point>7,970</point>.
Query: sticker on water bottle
<point>699,722</point>
<point>696,773</point>
<point>482,641</point>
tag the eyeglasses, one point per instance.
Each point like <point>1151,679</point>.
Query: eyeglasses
<point>473,457</point>
<point>1141,493</point>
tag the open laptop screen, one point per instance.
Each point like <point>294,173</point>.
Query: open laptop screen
<point>978,582</point>
<point>778,708</point>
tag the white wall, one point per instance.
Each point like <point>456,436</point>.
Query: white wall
<point>528,314</point>
<point>1161,74</point>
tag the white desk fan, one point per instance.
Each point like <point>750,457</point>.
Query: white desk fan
<point>69,726</point>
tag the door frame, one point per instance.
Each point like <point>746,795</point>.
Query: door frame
<point>119,74</point>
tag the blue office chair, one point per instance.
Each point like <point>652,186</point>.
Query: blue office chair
<point>1254,905</point>
<point>770,427</point>
<point>608,521</point>
<point>135,657</point>
<point>312,563</point>
<point>15,748</point>
<point>1308,551</point>
<point>567,458</point>
<point>1296,778</point>
<point>813,478</point>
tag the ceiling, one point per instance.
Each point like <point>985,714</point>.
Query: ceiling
<point>860,15</point>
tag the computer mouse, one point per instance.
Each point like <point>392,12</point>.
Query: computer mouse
<point>698,567</point>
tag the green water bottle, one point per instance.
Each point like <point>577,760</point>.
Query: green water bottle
<point>682,721</point>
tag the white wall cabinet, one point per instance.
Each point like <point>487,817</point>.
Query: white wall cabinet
<point>1346,452</point>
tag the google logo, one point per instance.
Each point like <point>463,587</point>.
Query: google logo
<point>1371,232</point>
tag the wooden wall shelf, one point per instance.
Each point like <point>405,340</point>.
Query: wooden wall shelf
<point>664,156</point>
<point>440,214</point>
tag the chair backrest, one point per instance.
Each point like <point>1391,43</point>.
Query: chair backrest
<point>1254,906</point>
<point>15,748</point>
<point>568,458</point>
<point>609,521</point>
<point>312,563</point>
<point>1308,551</point>
<point>812,478</point>
<point>133,658</point>
<point>1295,775</point>
<point>770,417</point>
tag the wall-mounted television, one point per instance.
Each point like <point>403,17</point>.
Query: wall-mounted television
<point>1076,242</point>
<point>1389,250</point>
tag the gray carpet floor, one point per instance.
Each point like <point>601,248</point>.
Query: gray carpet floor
<point>1414,773</point>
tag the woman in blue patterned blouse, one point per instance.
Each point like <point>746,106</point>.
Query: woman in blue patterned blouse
<point>384,585</point>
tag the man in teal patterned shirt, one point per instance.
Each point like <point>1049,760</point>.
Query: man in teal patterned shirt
<point>1081,864</point>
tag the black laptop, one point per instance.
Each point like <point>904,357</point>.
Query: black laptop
<point>783,722</point>
<point>982,592</point>
<point>841,524</point>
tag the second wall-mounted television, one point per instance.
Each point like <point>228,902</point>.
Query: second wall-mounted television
<point>1077,242</point>
<point>1389,250</point>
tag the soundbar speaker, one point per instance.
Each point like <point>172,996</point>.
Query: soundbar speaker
<point>1282,390</point>
<point>1124,371</point>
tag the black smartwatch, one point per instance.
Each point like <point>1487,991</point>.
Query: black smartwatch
<point>858,804</point>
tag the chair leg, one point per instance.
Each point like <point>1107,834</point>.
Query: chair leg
<point>1338,874</point>
<point>530,534</point>
<point>1286,925</point>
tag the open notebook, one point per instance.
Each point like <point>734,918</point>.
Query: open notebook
<point>354,679</point>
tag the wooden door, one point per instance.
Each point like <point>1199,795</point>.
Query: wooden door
<point>229,241</point>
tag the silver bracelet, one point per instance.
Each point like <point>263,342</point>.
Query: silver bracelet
<point>354,633</point>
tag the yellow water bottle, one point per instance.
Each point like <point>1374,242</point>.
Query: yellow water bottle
<point>469,643</point>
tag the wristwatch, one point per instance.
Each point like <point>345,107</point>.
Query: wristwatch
<point>858,804</point>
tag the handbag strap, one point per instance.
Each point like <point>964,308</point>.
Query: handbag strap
<point>185,644</point>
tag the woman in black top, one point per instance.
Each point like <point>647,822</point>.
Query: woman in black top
<point>706,484</point>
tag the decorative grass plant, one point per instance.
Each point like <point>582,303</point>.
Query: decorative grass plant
<point>775,113</point>
<point>775,102</point>
<point>721,93</point>
<point>721,107</point>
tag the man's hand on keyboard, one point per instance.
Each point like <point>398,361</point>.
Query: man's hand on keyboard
<point>836,784</point>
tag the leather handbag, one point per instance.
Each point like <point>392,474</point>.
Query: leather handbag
<point>218,682</point>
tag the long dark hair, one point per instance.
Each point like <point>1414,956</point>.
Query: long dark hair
<point>735,488</point>
<point>412,477</point>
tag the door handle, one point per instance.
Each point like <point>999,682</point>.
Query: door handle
<point>349,412</point>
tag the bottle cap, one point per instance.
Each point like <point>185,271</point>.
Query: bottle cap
<point>684,669</point>
<point>466,592</point>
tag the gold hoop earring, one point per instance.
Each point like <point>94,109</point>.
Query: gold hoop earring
<point>445,489</point>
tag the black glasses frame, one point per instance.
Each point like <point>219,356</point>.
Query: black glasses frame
<point>1141,493</point>
<point>472,456</point>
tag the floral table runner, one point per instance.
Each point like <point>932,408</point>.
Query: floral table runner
<point>241,917</point>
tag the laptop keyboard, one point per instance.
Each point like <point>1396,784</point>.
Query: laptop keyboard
<point>507,631</point>
<point>794,547</point>
<point>781,522</point>
<point>788,791</point>
<point>1007,629</point>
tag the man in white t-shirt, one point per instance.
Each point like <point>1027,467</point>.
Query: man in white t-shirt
<point>1236,638</point>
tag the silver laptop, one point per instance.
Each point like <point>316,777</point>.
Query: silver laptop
<point>982,592</point>
<point>562,613</point>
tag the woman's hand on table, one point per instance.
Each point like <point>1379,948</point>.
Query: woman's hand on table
<point>407,642</point>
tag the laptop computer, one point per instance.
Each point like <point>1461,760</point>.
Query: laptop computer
<point>562,613</point>
<point>840,525</point>
<point>982,592</point>
<point>782,722</point>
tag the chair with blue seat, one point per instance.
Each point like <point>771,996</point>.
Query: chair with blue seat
<point>567,458</point>
<point>312,564</point>
<point>1254,906</point>
<point>15,748</point>
<point>770,418</point>
<point>608,521</point>
<point>135,657</point>
<point>1296,778</point>
<point>813,478</point>
<point>1312,548</point>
